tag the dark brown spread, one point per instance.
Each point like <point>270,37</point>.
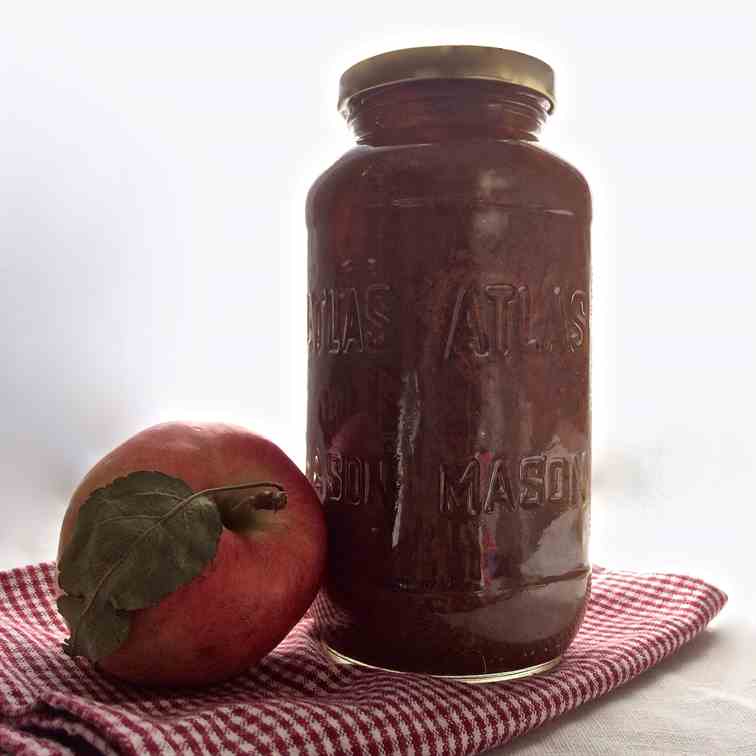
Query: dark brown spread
<point>448,420</point>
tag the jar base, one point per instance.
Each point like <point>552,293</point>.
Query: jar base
<point>492,677</point>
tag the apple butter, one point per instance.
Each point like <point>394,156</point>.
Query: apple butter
<point>448,333</point>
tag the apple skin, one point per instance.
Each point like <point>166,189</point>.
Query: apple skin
<point>259,584</point>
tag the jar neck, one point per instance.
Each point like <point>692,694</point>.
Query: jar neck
<point>441,110</point>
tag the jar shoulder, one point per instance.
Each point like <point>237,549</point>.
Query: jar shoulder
<point>509,173</point>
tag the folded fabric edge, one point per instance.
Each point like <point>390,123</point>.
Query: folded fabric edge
<point>14,739</point>
<point>679,576</point>
<point>675,581</point>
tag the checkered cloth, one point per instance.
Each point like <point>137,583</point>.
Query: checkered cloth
<point>299,702</point>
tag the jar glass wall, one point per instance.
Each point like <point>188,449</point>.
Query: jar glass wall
<point>448,414</point>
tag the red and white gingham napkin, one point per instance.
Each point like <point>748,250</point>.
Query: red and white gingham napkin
<point>297,702</point>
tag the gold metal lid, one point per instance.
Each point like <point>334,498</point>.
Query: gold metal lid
<point>447,62</point>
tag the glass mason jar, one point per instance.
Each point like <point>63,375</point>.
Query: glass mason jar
<point>448,332</point>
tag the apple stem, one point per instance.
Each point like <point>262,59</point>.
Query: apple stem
<point>239,515</point>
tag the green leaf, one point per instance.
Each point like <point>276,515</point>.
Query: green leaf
<point>101,631</point>
<point>135,541</point>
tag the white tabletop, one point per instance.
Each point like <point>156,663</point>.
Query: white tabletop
<point>701,701</point>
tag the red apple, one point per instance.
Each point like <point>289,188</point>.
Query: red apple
<point>255,589</point>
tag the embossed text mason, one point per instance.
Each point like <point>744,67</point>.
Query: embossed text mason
<point>448,334</point>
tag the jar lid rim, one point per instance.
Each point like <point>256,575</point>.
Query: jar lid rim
<point>447,62</point>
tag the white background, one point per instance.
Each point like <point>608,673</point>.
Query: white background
<point>154,161</point>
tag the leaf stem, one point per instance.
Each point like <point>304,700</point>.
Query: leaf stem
<point>238,487</point>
